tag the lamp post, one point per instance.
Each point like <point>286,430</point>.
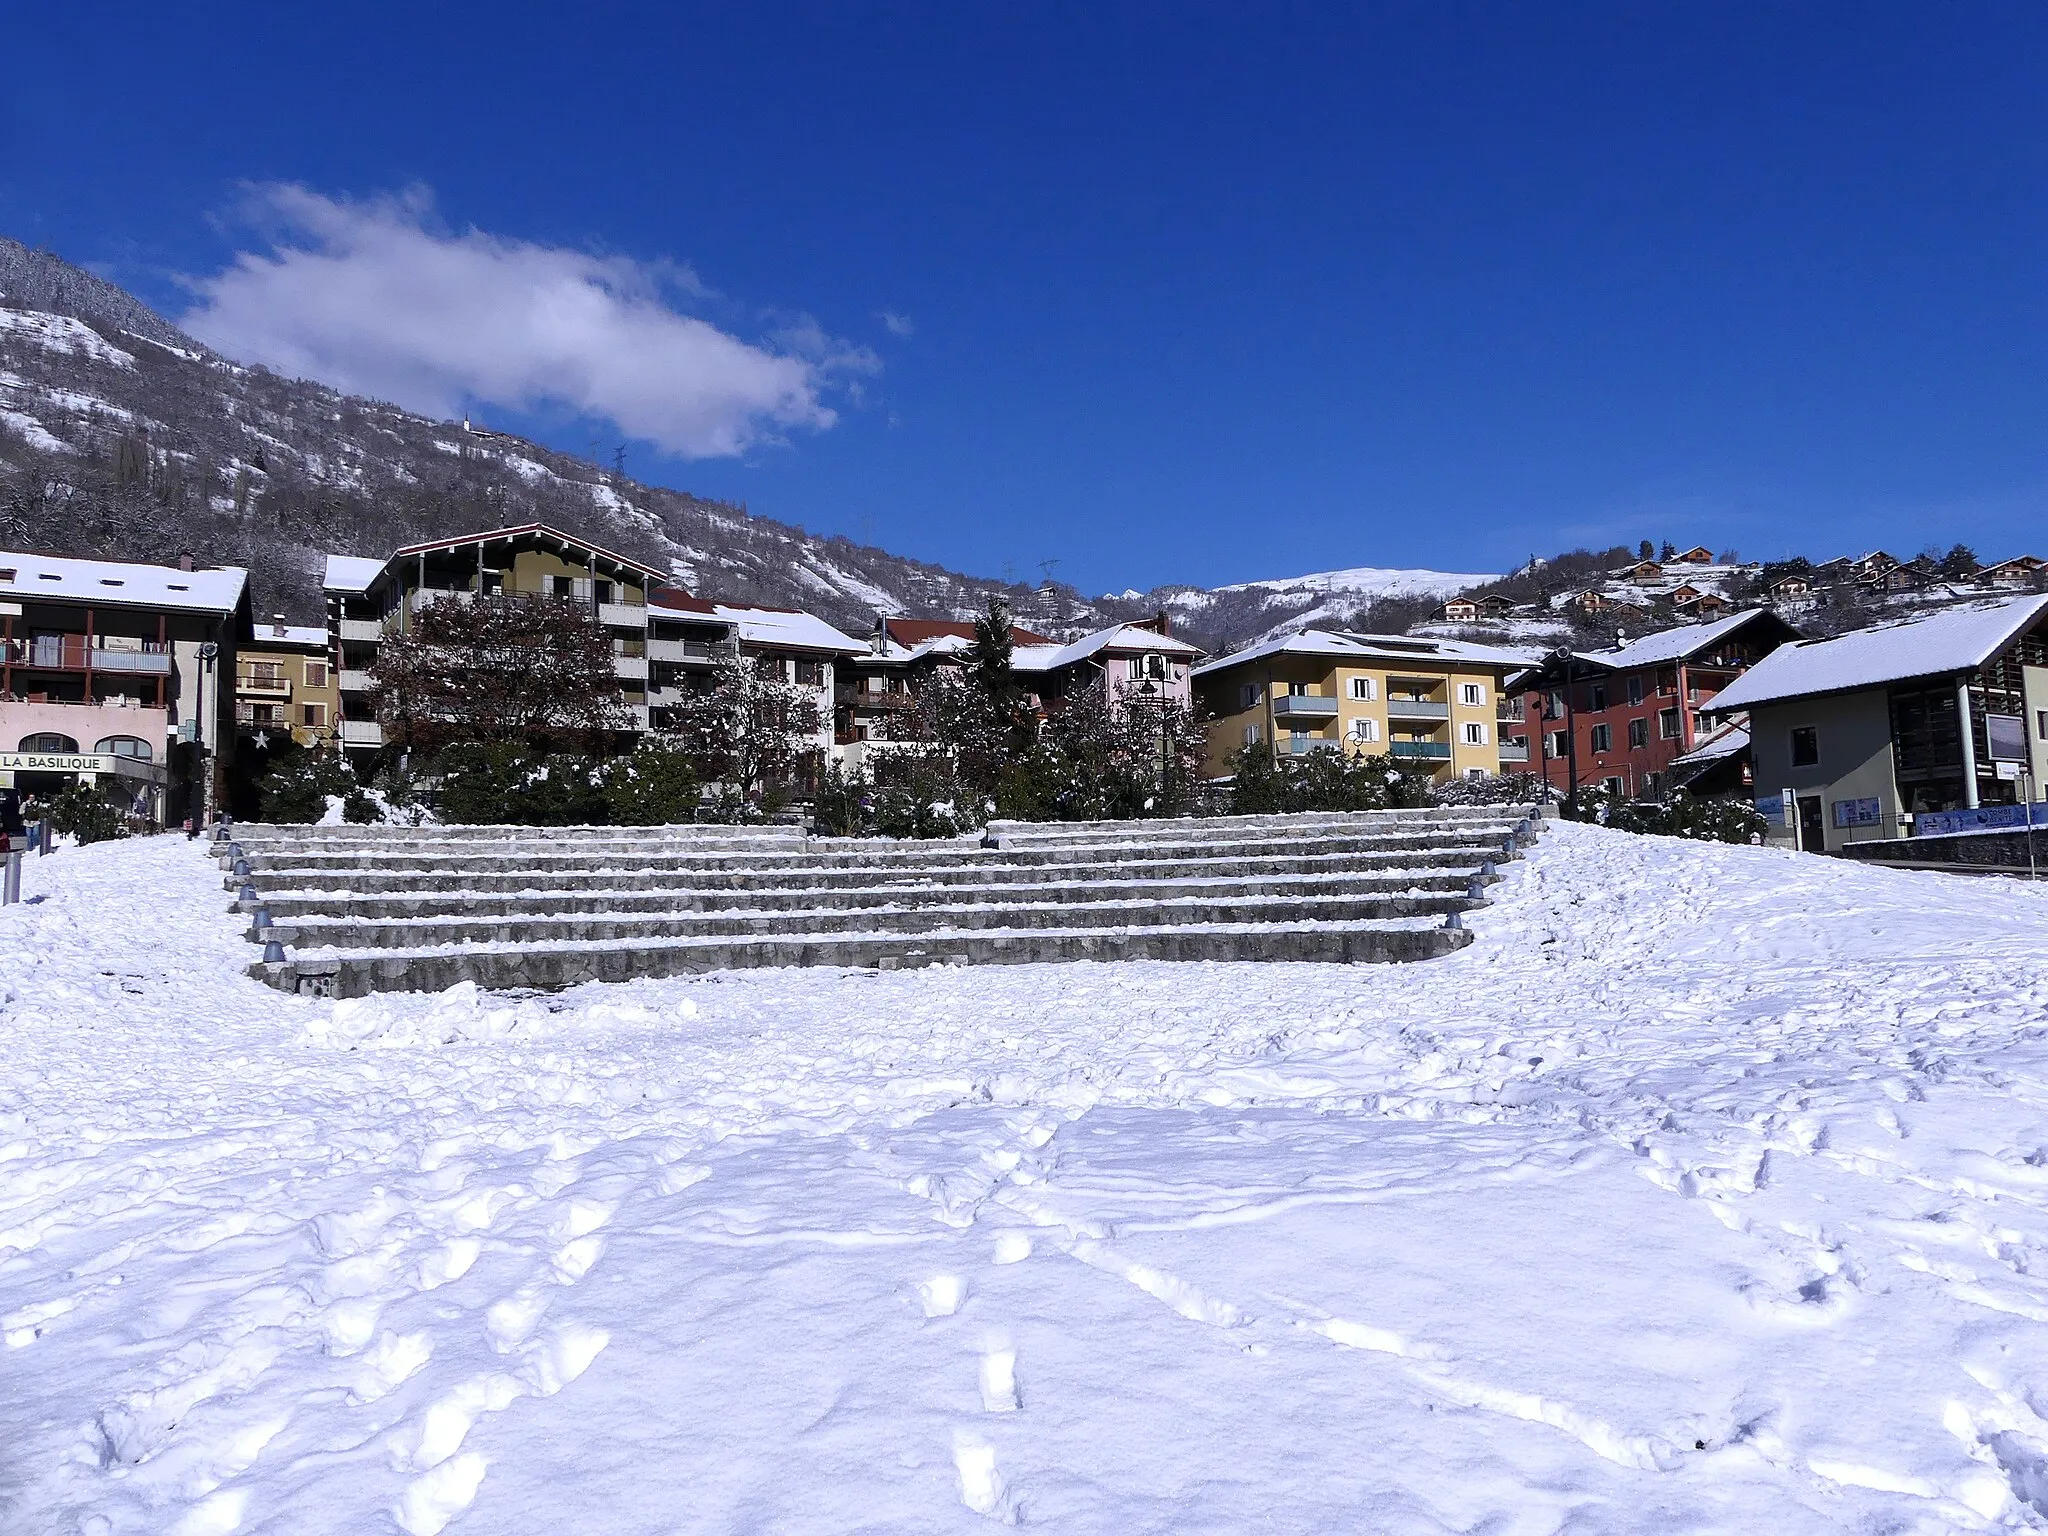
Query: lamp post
<point>1563,657</point>
<point>1153,694</point>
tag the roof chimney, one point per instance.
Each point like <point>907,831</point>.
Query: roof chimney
<point>277,624</point>
<point>1163,622</point>
<point>184,559</point>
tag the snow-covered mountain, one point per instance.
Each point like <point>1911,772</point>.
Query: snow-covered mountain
<point>121,435</point>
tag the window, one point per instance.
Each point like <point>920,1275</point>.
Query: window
<point>265,674</point>
<point>47,741</point>
<point>1554,743</point>
<point>1365,730</point>
<point>1475,773</point>
<point>810,673</point>
<point>1474,733</point>
<point>1251,736</point>
<point>263,714</point>
<point>1667,724</point>
<point>1603,737</point>
<point>316,674</point>
<point>1639,733</point>
<point>1553,705</point>
<point>1471,693</point>
<point>2041,725</point>
<point>1147,666</point>
<point>1635,689</point>
<point>124,746</point>
<point>1364,688</point>
<point>1596,697</point>
<point>1613,786</point>
<point>1297,690</point>
<point>1247,695</point>
<point>1805,746</point>
<point>315,717</point>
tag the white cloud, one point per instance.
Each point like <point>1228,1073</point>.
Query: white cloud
<point>897,325</point>
<point>376,298</point>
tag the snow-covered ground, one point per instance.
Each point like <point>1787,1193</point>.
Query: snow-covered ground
<point>1707,1191</point>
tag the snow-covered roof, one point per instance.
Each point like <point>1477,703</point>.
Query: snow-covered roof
<point>1674,644</point>
<point>1121,639</point>
<point>301,637</point>
<point>788,629</point>
<point>1378,649</point>
<point>1959,639</point>
<point>1726,742</point>
<point>350,573</point>
<point>121,583</point>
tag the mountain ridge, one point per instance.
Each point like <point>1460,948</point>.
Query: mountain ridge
<point>123,436</point>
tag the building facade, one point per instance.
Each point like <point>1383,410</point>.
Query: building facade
<point>1436,705</point>
<point>285,685</point>
<point>119,674</point>
<point>1866,734</point>
<point>1616,719</point>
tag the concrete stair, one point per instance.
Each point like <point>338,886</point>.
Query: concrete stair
<point>365,909</point>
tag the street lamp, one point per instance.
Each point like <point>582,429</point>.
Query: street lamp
<point>1154,693</point>
<point>1563,656</point>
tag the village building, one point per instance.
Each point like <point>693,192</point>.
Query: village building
<point>368,598</point>
<point>120,674</point>
<point>1616,719</point>
<point>285,685</point>
<point>1434,705</point>
<point>2020,571</point>
<point>1699,554</point>
<point>1864,734</point>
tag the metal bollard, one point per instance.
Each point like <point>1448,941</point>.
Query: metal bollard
<point>10,883</point>
<point>260,919</point>
<point>241,869</point>
<point>46,836</point>
<point>1488,869</point>
<point>273,952</point>
<point>1476,891</point>
<point>247,893</point>
<point>1454,921</point>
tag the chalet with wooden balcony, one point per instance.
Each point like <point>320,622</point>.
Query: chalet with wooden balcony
<point>120,674</point>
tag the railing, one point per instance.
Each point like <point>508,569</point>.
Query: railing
<point>1299,744</point>
<point>1417,709</point>
<point>623,615</point>
<point>353,680</point>
<point>361,733</point>
<point>70,653</point>
<point>1510,752</point>
<point>362,629</point>
<point>691,650</point>
<point>1317,705</point>
<point>1434,751</point>
<point>634,667</point>
<point>269,686</point>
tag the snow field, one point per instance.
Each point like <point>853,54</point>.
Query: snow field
<point>1707,1191</point>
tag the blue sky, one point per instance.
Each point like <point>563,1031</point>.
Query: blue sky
<point>1164,294</point>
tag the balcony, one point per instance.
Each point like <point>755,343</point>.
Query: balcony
<point>353,681</point>
<point>1510,752</point>
<point>70,653</point>
<point>1305,706</point>
<point>370,630</point>
<point>361,733</point>
<point>623,615</point>
<point>1295,745</point>
<point>633,668</point>
<point>1417,709</point>
<point>264,685</point>
<point>1428,751</point>
<point>704,651</point>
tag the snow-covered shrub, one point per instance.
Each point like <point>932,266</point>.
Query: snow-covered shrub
<point>494,785</point>
<point>1494,789</point>
<point>299,783</point>
<point>1262,784</point>
<point>852,805</point>
<point>1679,814</point>
<point>81,811</point>
<point>652,786</point>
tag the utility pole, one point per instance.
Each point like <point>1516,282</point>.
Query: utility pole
<point>1563,655</point>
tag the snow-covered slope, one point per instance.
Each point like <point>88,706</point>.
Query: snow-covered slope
<point>1703,1193</point>
<point>1365,582</point>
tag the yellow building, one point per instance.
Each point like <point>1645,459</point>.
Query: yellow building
<point>1433,704</point>
<point>285,684</point>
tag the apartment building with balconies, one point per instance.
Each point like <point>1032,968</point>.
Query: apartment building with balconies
<point>285,685</point>
<point>368,599</point>
<point>1434,705</point>
<point>119,674</point>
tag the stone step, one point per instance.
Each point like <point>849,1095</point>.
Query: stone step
<point>313,935</point>
<point>276,833</point>
<point>392,882</point>
<point>287,906</point>
<point>554,966</point>
<point>1228,829</point>
<point>900,857</point>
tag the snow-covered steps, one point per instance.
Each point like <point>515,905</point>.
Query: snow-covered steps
<point>382,909</point>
